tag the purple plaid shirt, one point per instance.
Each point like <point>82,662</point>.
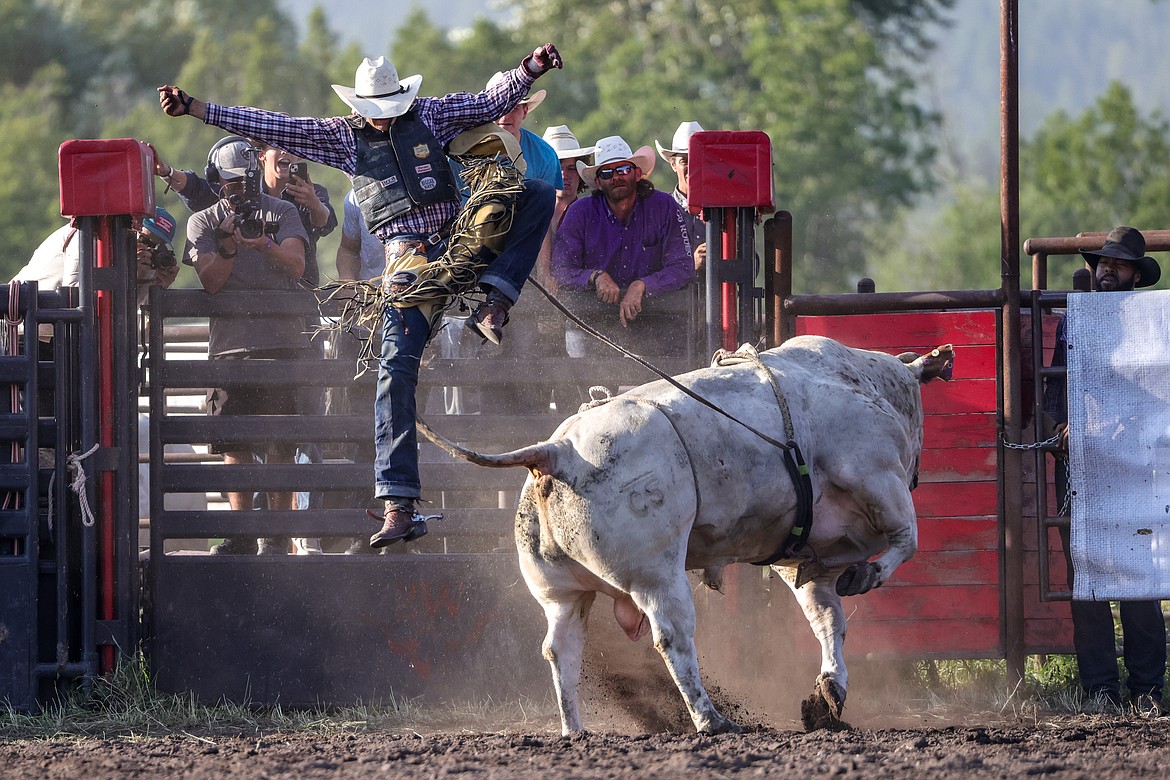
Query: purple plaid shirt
<point>331,142</point>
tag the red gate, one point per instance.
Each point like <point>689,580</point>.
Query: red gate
<point>949,600</point>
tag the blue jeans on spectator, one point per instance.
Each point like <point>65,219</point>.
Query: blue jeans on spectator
<point>405,333</point>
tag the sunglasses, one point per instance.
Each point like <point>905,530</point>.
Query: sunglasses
<point>605,174</point>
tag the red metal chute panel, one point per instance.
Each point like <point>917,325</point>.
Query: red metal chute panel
<point>946,601</point>
<point>106,177</point>
<point>730,169</point>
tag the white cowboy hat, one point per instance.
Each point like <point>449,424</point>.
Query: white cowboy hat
<point>377,93</point>
<point>680,144</point>
<point>613,149</point>
<point>564,143</point>
<point>532,101</point>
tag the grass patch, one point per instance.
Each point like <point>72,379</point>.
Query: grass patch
<point>1050,687</point>
<point>128,703</point>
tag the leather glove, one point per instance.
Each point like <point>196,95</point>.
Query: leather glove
<point>542,59</point>
<point>174,101</point>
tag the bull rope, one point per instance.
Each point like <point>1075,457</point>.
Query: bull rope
<point>794,544</point>
<point>495,185</point>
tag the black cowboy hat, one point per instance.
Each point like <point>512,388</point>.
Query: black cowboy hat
<point>1126,243</point>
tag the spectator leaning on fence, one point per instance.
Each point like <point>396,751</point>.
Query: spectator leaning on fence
<point>1120,265</point>
<point>531,335</point>
<point>569,152</point>
<point>624,244</point>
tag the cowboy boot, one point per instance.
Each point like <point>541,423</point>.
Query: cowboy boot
<point>397,524</point>
<point>490,318</point>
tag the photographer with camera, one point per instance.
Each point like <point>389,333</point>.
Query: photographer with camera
<point>156,262</point>
<point>248,240</point>
<point>285,176</point>
<point>56,262</point>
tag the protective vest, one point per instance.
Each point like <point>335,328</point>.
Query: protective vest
<point>399,171</point>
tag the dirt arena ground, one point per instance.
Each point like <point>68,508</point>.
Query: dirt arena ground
<point>1096,747</point>
<point>639,728</point>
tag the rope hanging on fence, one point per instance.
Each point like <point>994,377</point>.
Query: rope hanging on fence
<point>77,484</point>
<point>476,238</point>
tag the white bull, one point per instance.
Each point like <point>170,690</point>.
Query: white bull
<point>627,496</point>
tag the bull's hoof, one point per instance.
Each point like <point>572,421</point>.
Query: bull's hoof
<point>858,578</point>
<point>718,724</point>
<point>822,710</point>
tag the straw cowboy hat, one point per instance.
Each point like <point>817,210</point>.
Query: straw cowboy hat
<point>377,92</point>
<point>680,144</point>
<point>488,140</point>
<point>1126,243</point>
<point>613,149</point>
<point>564,143</point>
<point>532,101</point>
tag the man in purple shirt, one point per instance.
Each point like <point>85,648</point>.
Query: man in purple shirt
<point>626,242</point>
<point>393,147</point>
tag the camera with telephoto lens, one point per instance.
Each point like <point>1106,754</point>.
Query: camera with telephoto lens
<point>249,218</point>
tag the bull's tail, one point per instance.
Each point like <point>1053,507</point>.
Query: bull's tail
<point>538,458</point>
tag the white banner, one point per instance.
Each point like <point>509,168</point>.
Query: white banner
<point>1119,443</point>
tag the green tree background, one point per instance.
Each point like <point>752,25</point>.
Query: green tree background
<point>75,69</point>
<point>1107,166</point>
<point>838,85</point>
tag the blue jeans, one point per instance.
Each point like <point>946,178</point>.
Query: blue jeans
<point>405,333</point>
<point>534,208</point>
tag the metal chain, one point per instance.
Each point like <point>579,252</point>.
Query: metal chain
<point>1049,442</point>
<point>1066,504</point>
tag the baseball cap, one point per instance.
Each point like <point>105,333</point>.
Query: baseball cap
<point>230,160</point>
<point>162,225</point>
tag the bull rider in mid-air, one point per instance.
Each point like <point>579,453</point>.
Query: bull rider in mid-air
<point>394,147</point>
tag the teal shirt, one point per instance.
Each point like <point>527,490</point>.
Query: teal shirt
<point>541,160</point>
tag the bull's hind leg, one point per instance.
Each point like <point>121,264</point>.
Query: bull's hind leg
<point>671,612</point>
<point>886,499</point>
<point>564,648</point>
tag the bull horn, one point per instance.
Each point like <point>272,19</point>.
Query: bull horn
<point>535,457</point>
